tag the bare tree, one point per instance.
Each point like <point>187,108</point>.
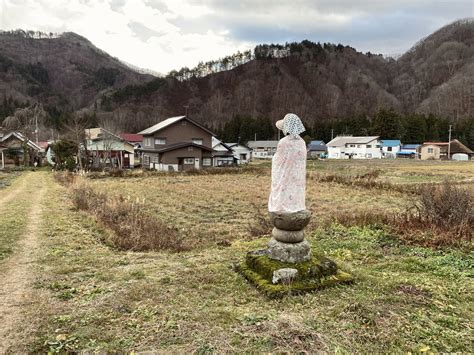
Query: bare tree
<point>76,132</point>
<point>26,120</point>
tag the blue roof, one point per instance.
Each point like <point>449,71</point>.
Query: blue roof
<point>410,146</point>
<point>391,143</point>
<point>316,143</point>
<point>405,153</point>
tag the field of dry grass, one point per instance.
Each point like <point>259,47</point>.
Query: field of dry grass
<point>91,296</point>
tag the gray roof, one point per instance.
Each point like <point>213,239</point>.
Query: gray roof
<point>161,125</point>
<point>262,144</point>
<point>341,141</point>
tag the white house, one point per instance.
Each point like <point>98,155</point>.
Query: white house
<point>263,149</point>
<point>241,152</point>
<point>348,147</point>
<point>222,154</point>
<point>390,148</point>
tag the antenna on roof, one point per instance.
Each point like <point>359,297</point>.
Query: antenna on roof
<point>186,110</point>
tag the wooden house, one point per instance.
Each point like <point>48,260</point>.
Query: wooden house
<point>15,149</point>
<point>263,149</point>
<point>222,154</point>
<point>106,149</point>
<point>439,150</point>
<point>316,149</point>
<point>176,144</point>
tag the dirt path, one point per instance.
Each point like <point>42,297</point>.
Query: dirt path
<point>18,274</point>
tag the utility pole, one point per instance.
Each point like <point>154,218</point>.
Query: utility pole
<point>255,139</point>
<point>332,133</point>
<point>449,142</point>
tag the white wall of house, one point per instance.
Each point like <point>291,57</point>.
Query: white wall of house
<point>223,161</point>
<point>390,152</point>
<point>242,153</point>
<point>357,151</point>
<point>163,167</point>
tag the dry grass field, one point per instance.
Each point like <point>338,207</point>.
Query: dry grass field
<point>87,295</point>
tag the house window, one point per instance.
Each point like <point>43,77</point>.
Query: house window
<point>148,141</point>
<point>368,146</point>
<point>389,149</point>
<point>206,161</point>
<point>430,150</point>
<point>154,159</point>
<point>146,159</point>
<point>358,145</point>
<point>377,146</point>
<point>369,155</point>
<point>160,141</point>
<point>197,141</point>
<point>190,148</point>
<point>189,161</point>
<point>352,145</point>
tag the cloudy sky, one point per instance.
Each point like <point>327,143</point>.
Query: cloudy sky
<point>168,34</point>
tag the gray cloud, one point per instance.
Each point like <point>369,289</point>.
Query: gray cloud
<point>143,32</point>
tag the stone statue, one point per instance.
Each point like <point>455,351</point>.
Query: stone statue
<point>287,197</point>
<point>288,266</point>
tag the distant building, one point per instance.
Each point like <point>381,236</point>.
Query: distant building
<point>106,149</point>
<point>409,151</point>
<point>176,144</point>
<point>349,147</point>
<point>439,150</point>
<point>242,153</point>
<point>390,148</point>
<point>222,154</point>
<point>14,154</point>
<point>316,149</point>
<point>263,149</point>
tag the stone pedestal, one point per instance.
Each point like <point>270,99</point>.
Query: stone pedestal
<point>288,266</point>
<point>288,244</point>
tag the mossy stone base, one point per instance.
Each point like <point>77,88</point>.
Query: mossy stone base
<point>313,274</point>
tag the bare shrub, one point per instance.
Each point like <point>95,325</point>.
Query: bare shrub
<point>134,229</point>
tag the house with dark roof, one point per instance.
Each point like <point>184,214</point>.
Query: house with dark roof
<point>177,144</point>
<point>316,149</point>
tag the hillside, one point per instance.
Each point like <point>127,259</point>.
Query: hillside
<point>319,82</point>
<point>65,71</point>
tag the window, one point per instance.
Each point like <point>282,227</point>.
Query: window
<point>352,145</point>
<point>197,141</point>
<point>189,161</point>
<point>147,141</point>
<point>358,145</point>
<point>369,155</point>
<point>430,150</point>
<point>146,159</point>
<point>154,159</point>
<point>206,161</point>
<point>159,141</point>
<point>389,149</point>
<point>377,146</point>
<point>368,146</point>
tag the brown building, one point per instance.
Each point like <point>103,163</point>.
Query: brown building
<point>177,144</point>
<point>439,150</point>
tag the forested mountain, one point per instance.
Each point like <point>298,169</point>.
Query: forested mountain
<point>64,72</point>
<point>330,86</point>
<point>320,82</point>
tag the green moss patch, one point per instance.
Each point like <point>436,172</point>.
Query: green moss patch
<point>314,274</point>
